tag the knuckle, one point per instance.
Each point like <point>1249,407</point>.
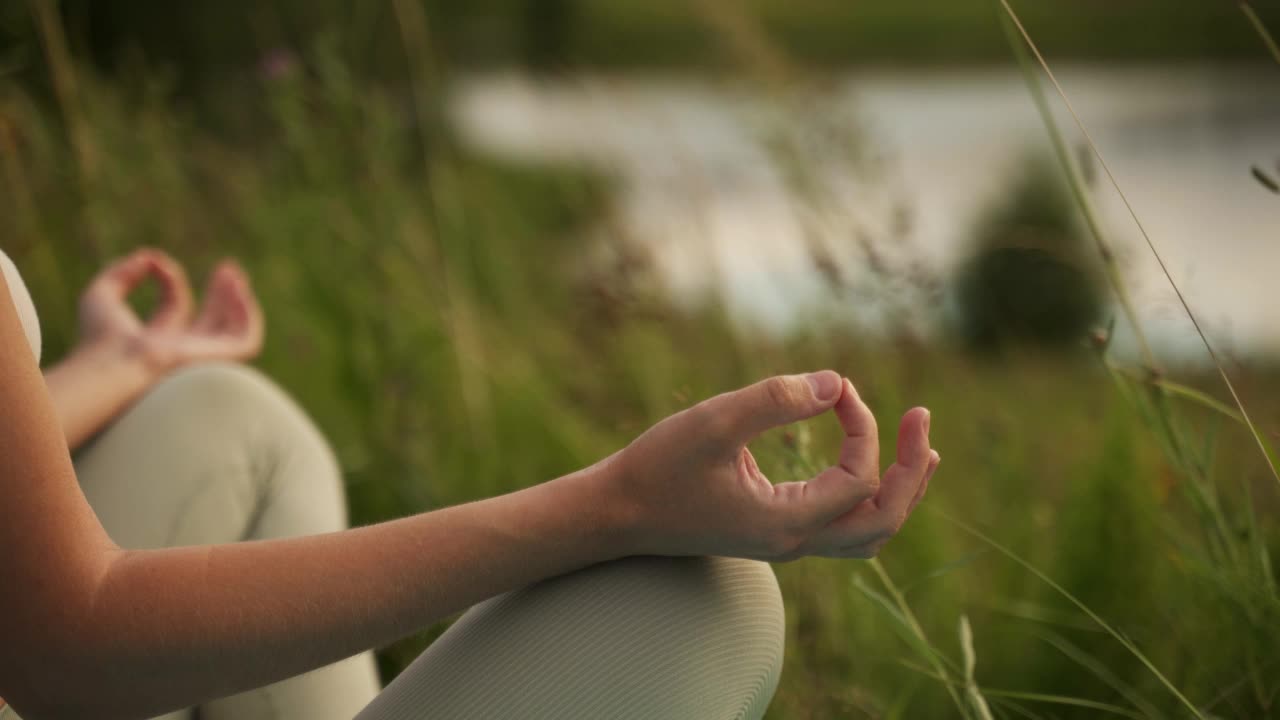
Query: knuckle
<point>712,424</point>
<point>782,391</point>
<point>873,485</point>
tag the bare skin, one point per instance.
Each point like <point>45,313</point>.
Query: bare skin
<point>120,356</point>
<point>92,630</point>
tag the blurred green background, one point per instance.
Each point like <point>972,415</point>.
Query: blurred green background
<point>458,331</point>
<point>206,39</point>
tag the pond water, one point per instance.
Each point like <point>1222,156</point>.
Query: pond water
<point>897,166</point>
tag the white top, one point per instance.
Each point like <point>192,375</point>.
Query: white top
<point>27,314</point>
<point>22,301</point>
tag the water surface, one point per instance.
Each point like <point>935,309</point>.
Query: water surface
<point>903,164</point>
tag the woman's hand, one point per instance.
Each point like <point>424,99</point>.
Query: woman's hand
<point>229,325</point>
<point>120,355</point>
<point>691,487</point>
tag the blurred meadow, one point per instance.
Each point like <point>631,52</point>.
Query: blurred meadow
<point>487,260</point>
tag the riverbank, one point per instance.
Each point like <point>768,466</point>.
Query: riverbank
<point>898,169</point>
<point>457,331</point>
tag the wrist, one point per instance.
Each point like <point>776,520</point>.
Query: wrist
<point>94,383</point>
<point>129,354</point>
<point>622,525</point>
<point>604,510</point>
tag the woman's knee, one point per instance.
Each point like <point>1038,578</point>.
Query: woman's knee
<point>213,453</point>
<point>710,605</point>
<point>292,462</point>
<point>718,628</point>
<point>232,404</point>
<point>225,394</point>
<point>634,638</point>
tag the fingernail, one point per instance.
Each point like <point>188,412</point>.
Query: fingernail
<point>825,384</point>
<point>934,461</point>
<point>927,417</point>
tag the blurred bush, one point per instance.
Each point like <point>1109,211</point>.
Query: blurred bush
<point>1031,280</point>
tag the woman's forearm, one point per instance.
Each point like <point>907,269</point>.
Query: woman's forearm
<point>90,630</point>
<point>93,385</point>
<point>167,628</point>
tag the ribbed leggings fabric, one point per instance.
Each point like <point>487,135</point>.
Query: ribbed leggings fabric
<point>219,454</point>
<point>637,638</point>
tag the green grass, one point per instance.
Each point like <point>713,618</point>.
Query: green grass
<point>215,41</point>
<point>436,313</point>
<point>836,32</point>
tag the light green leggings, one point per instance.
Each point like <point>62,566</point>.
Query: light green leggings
<point>219,454</point>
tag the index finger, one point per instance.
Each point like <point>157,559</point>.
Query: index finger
<point>176,304</point>
<point>860,449</point>
<point>120,277</point>
<point>123,276</point>
<point>856,476</point>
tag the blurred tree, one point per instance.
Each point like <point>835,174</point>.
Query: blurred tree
<point>548,33</point>
<point>1030,280</point>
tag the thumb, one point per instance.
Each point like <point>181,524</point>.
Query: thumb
<point>780,400</point>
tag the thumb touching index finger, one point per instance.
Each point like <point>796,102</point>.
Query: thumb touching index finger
<point>123,276</point>
<point>176,303</point>
<point>856,476</point>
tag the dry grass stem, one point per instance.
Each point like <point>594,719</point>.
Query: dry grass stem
<point>1213,355</point>
<point>1261,29</point>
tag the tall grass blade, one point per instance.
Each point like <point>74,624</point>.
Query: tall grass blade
<point>1119,637</point>
<point>1048,698</point>
<point>1039,614</point>
<point>1157,414</point>
<point>1176,389</point>
<point>1264,179</point>
<point>1017,709</point>
<point>946,569</point>
<point>1198,397</point>
<point>1258,542</point>
<point>903,626</point>
<point>901,611</point>
<point>62,70</point>
<point>971,691</point>
<point>1079,193</point>
<point>1261,29</point>
<point>1100,670</point>
<point>1065,700</point>
<point>415,38</point>
<point>1186,306</point>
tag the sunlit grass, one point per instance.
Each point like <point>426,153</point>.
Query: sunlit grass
<point>435,311</point>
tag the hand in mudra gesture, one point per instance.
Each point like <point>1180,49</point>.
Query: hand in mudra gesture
<point>690,486</point>
<point>227,326</point>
